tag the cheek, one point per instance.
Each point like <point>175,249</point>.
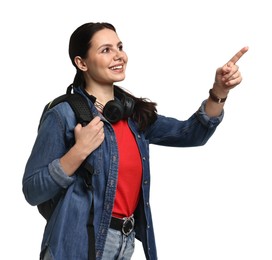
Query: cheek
<point>125,57</point>
<point>96,65</point>
<point>102,62</point>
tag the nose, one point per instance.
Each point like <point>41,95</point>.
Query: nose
<point>118,55</point>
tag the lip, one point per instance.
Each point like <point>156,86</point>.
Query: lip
<point>117,67</point>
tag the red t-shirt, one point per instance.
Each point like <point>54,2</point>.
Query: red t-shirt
<point>129,171</point>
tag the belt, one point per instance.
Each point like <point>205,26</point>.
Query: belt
<point>125,225</point>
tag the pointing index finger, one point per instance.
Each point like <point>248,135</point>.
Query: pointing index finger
<point>237,56</point>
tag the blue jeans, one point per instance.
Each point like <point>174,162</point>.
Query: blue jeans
<point>118,246</point>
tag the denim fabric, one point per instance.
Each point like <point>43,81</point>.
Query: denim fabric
<point>65,233</point>
<point>118,246</point>
<point>47,256</point>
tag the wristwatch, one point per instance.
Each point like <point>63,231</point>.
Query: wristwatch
<point>216,98</point>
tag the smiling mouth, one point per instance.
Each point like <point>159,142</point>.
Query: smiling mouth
<point>119,67</point>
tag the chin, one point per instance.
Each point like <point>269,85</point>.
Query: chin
<point>118,79</point>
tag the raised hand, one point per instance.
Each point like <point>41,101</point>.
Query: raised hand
<point>229,76</point>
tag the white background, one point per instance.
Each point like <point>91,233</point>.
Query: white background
<point>211,202</point>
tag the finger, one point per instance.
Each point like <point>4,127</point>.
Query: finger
<point>229,70</point>
<point>78,127</point>
<point>237,56</point>
<point>95,121</point>
<point>234,76</point>
<point>234,82</point>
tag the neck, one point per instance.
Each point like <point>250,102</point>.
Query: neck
<point>99,106</point>
<point>102,94</point>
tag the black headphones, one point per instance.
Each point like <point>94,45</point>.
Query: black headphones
<point>119,108</point>
<point>115,110</point>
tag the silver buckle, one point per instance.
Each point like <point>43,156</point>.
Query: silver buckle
<point>128,225</point>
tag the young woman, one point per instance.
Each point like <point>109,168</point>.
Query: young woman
<point>102,223</point>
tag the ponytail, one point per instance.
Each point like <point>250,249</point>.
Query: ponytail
<point>79,79</point>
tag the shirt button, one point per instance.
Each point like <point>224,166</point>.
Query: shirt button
<point>146,182</point>
<point>108,206</point>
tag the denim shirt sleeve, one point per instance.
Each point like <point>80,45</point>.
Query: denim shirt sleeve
<point>195,131</point>
<point>44,177</point>
<point>59,176</point>
<point>205,119</point>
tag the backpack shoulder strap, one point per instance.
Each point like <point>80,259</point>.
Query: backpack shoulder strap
<point>80,107</point>
<point>78,103</point>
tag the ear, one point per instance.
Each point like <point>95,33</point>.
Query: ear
<point>80,63</point>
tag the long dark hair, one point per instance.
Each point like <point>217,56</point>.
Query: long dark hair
<point>145,112</point>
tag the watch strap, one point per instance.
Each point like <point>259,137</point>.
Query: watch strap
<point>216,98</point>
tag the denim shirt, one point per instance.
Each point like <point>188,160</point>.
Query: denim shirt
<point>65,234</point>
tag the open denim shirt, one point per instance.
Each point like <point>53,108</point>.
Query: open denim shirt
<point>65,235</point>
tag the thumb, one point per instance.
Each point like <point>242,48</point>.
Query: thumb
<point>78,128</point>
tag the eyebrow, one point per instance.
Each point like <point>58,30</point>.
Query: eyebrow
<point>109,45</point>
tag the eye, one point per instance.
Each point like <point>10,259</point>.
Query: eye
<point>120,47</point>
<point>106,50</point>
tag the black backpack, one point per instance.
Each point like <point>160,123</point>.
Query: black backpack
<point>83,114</point>
<point>78,103</point>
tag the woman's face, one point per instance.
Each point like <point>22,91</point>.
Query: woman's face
<point>106,60</point>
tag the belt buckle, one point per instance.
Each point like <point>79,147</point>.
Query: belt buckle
<point>128,225</point>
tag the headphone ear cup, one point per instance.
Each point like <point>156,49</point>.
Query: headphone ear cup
<point>128,104</point>
<point>113,111</point>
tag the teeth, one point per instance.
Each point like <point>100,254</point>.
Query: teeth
<point>116,67</point>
